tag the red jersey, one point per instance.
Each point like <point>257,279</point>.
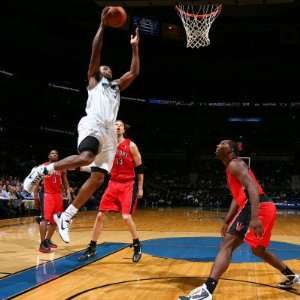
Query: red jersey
<point>53,182</point>
<point>237,189</point>
<point>123,166</point>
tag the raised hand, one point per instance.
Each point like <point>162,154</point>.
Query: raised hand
<point>135,39</point>
<point>104,15</point>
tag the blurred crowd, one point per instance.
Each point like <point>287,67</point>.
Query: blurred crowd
<point>208,189</point>
<point>204,187</point>
<point>12,196</point>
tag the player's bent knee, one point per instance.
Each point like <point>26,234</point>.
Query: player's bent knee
<point>229,242</point>
<point>97,178</point>
<point>86,158</point>
<point>126,217</point>
<point>100,216</point>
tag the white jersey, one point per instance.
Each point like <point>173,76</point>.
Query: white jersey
<point>103,102</point>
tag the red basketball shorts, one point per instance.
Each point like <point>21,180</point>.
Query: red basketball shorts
<point>239,226</point>
<point>267,215</point>
<point>119,197</point>
<point>53,203</point>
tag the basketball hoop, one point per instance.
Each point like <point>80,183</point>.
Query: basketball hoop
<point>197,21</point>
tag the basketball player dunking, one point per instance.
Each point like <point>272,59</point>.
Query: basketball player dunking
<point>250,218</point>
<point>122,193</point>
<point>96,132</point>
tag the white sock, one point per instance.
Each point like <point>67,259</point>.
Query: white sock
<point>50,168</point>
<point>70,212</point>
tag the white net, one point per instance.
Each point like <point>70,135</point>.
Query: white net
<point>197,21</point>
<point>247,160</point>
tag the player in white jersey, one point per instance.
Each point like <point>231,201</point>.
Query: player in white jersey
<point>97,139</point>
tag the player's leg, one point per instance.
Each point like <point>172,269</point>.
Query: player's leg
<point>98,226</point>
<point>232,240</point>
<point>50,231</point>
<point>43,229</point>
<point>128,200</point>
<point>40,219</point>
<point>57,208</point>
<point>131,226</point>
<point>88,148</point>
<point>69,163</point>
<point>86,191</point>
<point>89,136</point>
<point>47,217</point>
<point>101,166</point>
<point>107,203</point>
<point>291,277</point>
<point>91,249</point>
<point>221,264</point>
<point>267,215</point>
<point>95,180</point>
<point>136,244</point>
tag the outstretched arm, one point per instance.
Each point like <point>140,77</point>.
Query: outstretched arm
<point>239,170</point>
<point>125,81</point>
<point>96,50</point>
<point>138,164</point>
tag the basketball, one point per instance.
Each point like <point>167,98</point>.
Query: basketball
<point>116,17</point>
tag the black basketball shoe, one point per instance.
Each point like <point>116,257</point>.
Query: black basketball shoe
<point>289,282</point>
<point>88,253</point>
<point>137,252</point>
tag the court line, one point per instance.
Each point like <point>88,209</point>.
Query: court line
<point>23,281</point>
<point>291,291</point>
<point>41,263</point>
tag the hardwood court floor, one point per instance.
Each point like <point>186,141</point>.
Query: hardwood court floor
<point>116,277</point>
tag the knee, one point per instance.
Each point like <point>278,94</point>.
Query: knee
<point>229,243</point>
<point>86,158</point>
<point>126,217</point>
<point>100,217</point>
<point>259,251</point>
<point>97,178</point>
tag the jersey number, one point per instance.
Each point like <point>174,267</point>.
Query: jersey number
<point>119,161</point>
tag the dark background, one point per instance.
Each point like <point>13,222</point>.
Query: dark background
<point>250,70</point>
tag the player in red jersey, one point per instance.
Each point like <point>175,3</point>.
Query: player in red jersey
<point>50,202</point>
<point>250,218</point>
<point>122,193</point>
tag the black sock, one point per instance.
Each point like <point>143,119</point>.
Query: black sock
<point>93,244</point>
<point>135,242</point>
<point>287,272</point>
<point>211,284</point>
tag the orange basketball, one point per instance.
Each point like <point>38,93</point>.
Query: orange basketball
<point>116,17</point>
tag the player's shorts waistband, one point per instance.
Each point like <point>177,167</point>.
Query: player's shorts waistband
<point>123,181</point>
<point>58,193</point>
